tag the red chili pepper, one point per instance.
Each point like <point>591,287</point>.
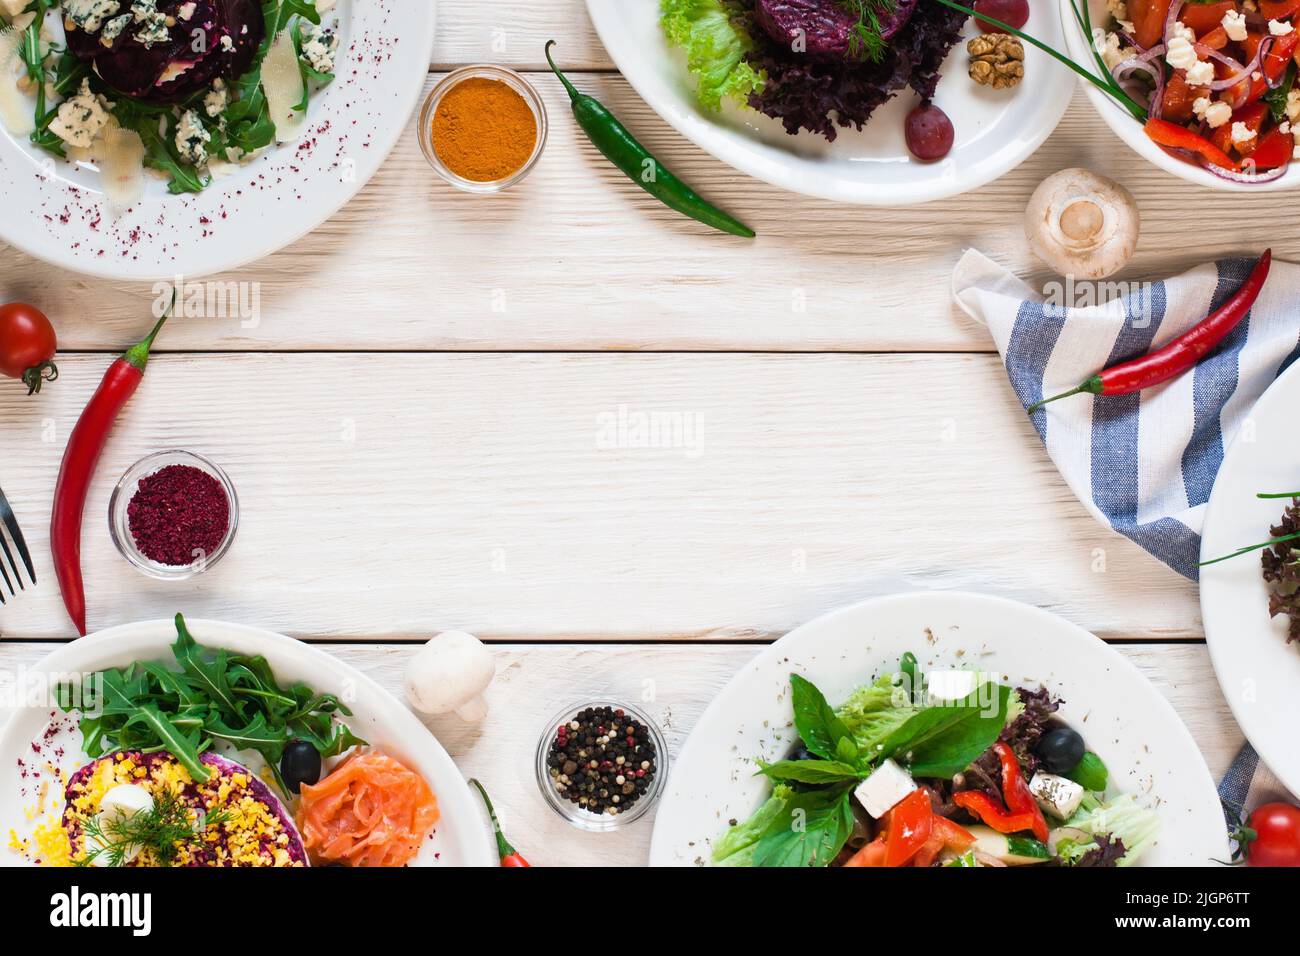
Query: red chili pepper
<point>509,855</point>
<point>1183,352</point>
<point>79,460</point>
<point>1016,792</point>
<point>1172,136</point>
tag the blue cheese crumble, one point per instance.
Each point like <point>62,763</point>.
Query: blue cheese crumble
<point>114,28</point>
<point>153,22</point>
<point>217,99</point>
<point>192,139</point>
<point>319,47</point>
<point>89,15</point>
<point>80,119</point>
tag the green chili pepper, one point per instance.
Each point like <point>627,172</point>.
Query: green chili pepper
<point>620,147</point>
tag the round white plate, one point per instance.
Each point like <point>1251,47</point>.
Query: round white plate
<point>1121,716</point>
<point>55,210</point>
<point>996,130</point>
<point>1257,670</point>
<point>461,837</point>
<point>1130,130</point>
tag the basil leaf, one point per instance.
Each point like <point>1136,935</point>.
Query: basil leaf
<point>942,741</point>
<point>810,771</point>
<point>810,830</point>
<point>821,731</point>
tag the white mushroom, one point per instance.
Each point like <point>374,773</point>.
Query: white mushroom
<point>1082,224</point>
<point>449,673</point>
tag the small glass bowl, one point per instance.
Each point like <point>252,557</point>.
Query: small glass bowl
<point>585,819</point>
<point>489,72</point>
<point>120,529</point>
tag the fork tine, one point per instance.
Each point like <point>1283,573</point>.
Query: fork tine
<point>4,546</point>
<point>5,574</point>
<point>15,532</point>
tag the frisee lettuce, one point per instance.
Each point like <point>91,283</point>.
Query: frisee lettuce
<point>715,49</point>
<point>1123,819</point>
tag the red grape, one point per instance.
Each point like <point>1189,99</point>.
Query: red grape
<point>1014,13</point>
<point>928,132</point>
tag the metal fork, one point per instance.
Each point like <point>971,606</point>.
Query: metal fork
<point>10,523</point>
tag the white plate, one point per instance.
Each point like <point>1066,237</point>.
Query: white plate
<point>996,130</point>
<point>1121,716</point>
<point>1130,130</point>
<point>461,836</point>
<point>55,210</point>
<point>1257,670</point>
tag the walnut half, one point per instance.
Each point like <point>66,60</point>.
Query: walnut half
<point>996,60</point>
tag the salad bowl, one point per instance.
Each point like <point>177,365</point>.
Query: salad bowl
<point>1122,123</point>
<point>1126,722</point>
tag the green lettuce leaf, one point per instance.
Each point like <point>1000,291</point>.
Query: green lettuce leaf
<point>1123,819</point>
<point>873,712</point>
<point>715,49</point>
<point>736,846</point>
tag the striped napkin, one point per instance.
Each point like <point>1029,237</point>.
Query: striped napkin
<point>1142,464</point>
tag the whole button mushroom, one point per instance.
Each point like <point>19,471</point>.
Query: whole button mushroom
<point>1082,224</point>
<point>450,673</point>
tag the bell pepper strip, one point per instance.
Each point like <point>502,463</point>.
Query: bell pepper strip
<point>85,445</point>
<point>1016,792</point>
<point>1183,352</point>
<point>1172,136</point>
<point>910,823</point>
<point>1216,39</point>
<point>1179,99</point>
<point>1204,17</point>
<point>1252,116</point>
<point>944,835</point>
<point>510,857</point>
<point>873,854</point>
<point>1278,9</point>
<point>991,812</point>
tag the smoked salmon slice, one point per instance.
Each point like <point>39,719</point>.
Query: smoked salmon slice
<point>371,811</point>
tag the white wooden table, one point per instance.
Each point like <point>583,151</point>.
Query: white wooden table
<point>424,427</point>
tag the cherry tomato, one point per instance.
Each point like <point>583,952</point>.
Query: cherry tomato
<point>1277,835</point>
<point>27,346</point>
<point>1014,13</point>
<point>928,132</point>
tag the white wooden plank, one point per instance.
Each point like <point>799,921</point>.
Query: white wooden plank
<point>577,257</point>
<point>514,34</point>
<point>534,681</point>
<point>587,495</point>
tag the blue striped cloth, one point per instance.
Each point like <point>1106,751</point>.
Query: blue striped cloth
<point>1142,464</point>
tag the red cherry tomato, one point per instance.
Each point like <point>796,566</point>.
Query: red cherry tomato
<point>1277,835</point>
<point>27,346</point>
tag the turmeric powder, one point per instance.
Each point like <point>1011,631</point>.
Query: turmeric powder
<point>483,130</point>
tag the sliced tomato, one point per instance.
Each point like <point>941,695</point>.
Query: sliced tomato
<point>1278,9</point>
<point>1278,56</point>
<point>1148,20</point>
<point>1179,97</point>
<point>910,824</point>
<point>873,854</point>
<point>1216,39</point>
<point>1275,148</point>
<point>1204,17</point>
<point>944,835</point>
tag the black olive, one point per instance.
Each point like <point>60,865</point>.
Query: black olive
<point>300,764</point>
<point>1060,750</point>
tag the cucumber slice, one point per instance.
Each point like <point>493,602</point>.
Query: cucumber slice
<point>1011,850</point>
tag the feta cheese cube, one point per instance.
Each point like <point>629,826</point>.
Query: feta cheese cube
<point>1293,106</point>
<point>1217,114</point>
<point>951,685</point>
<point>1279,28</point>
<point>1202,74</point>
<point>887,784</point>
<point>1117,9</point>
<point>1108,47</point>
<point>1234,24</point>
<point>1056,795</point>
<point>1241,133</point>
<point>1180,54</point>
<point>1183,31</point>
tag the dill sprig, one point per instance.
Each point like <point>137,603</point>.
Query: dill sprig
<point>865,41</point>
<point>164,828</point>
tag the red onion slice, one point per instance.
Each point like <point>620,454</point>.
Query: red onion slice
<point>1175,8</point>
<point>1245,72</point>
<point>1246,178</point>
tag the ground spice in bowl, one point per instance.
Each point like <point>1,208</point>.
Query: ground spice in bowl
<point>178,512</point>
<point>481,130</point>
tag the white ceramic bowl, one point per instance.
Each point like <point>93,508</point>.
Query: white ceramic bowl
<point>1128,129</point>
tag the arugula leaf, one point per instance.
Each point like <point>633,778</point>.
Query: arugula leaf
<point>811,771</point>
<point>184,748</point>
<point>823,733</point>
<point>254,735</point>
<point>810,829</point>
<point>1276,98</point>
<point>942,741</point>
<point>212,678</point>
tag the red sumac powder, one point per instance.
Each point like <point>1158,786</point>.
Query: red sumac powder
<point>177,511</point>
